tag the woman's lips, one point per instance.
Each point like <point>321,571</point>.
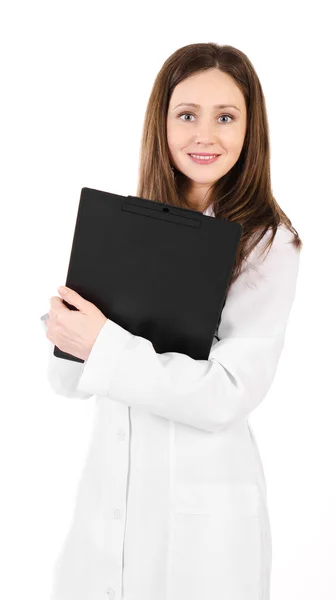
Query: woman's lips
<point>204,161</point>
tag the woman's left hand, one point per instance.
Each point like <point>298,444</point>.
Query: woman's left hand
<point>74,331</point>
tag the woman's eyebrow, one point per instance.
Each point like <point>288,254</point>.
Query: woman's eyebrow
<point>198,106</point>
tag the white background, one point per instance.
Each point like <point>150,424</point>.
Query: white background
<point>75,80</point>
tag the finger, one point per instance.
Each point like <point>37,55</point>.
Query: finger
<point>50,336</point>
<point>56,303</point>
<point>76,300</point>
<point>56,311</point>
<point>52,313</point>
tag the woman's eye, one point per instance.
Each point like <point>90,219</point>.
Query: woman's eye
<point>227,116</point>
<point>190,115</point>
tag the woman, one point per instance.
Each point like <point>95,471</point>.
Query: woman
<point>172,502</point>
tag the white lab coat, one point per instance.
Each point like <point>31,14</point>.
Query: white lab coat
<point>172,501</point>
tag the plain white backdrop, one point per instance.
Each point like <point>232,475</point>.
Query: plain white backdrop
<point>75,80</point>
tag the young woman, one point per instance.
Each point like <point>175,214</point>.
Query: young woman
<point>172,502</point>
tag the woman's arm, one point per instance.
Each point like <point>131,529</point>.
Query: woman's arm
<point>207,394</point>
<point>63,375</point>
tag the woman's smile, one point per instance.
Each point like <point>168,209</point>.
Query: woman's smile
<point>204,159</point>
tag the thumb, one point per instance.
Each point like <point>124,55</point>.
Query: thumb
<point>74,298</point>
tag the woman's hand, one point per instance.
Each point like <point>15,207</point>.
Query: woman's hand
<point>73,331</point>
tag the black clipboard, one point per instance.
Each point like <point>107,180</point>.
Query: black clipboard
<point>159,271</point>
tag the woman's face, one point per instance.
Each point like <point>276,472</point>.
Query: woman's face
<point>205,129</point>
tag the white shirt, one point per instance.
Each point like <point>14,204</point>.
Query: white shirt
<point>172,501</point>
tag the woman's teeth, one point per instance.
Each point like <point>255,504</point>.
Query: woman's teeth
<point>204,157</point>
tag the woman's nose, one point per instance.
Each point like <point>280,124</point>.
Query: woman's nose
<point>205,132</point>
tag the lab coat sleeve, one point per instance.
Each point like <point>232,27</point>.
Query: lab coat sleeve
<point>63,375</point>
<point>207,394</point>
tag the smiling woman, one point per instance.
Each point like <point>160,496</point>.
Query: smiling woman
<point>172,503</point>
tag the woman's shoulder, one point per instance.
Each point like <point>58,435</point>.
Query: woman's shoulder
<point>283,240</point>
<point>270,256</point>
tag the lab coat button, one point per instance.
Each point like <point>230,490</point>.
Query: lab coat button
<point>116,514</point>
<point>121,434</point>
<point>110,593</point>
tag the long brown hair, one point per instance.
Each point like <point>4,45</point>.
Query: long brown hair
<point>244,194</point>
